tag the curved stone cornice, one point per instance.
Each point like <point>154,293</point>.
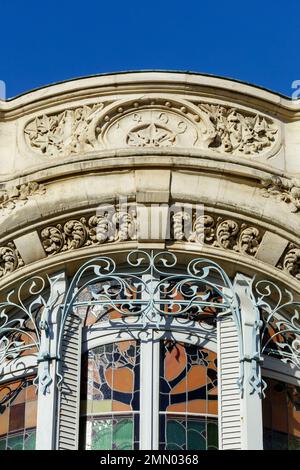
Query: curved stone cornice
<point>154,137</point>
<point>196,83</point>
<point>100,118</point>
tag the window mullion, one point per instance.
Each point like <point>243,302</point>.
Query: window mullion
<point>149,379</point>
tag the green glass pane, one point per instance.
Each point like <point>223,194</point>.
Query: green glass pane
<point>102,434</point>
<point>29,443</point>
<point>212,436</point>
<point>2,444</point>
<point>176,435</point>
<point>196,435</point>
<point>294,443</point>
<point>123,434</point>
<point>15,442</point>
<point>279,441</point>
<point>173,446</point>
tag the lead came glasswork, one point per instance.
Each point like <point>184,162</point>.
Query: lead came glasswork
<point>188,397</point>
<point>111,391</point>
<point>18,411</point>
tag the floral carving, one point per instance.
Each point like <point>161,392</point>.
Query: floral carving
<point>238,132</point>
<point>10,259</point>
<point>203,230</point>
<point>249,240</point>
<point>62,134</point>
<point>107,227</point>
<point>283,189</point>
<point>18,196</point>
<point>227,234</point>
<point>290,261</point>
<point>152,122</point>
<point>151,135</point>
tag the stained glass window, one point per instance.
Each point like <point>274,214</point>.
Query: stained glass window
<point>188,397</point>
<point>110,396</point>
<point>281,416</point>
<point>18,411</point>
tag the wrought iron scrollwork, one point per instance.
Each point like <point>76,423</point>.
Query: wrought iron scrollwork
<point>280,332</point>
<point>23,315</point>
<point>149,291</point>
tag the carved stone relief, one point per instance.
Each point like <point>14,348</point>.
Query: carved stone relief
<point>122,225</point>
<point>219,232</point>
<point>18,196</point>
<point>283,189</point>
<point>62,134</point>
<point>147,124</point>
<point>154,123</point>
<point>95,230</point>
<point>238,132</point>
<point>10,259</point>
<point>290,261</point>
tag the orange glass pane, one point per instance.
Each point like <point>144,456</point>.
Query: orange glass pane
<point>196,377</point>
<point>118,406</point>
<point>181,387</point>
<point>30,414</point>
<point>123,380</point>
<point>31,393</point>
<point>4,420</point>
<point>197,406</point>
<point>179,407</point>
<point>8,387</point>
<point>212,407</point>
<point>175,361</point>
<point>21,397</point>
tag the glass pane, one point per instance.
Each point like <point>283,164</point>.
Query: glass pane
<point>123,434</point>
<point>102,434</point>
<point>29,442</point>
<point>15,442</point>
<point>281,416</point>
<point>188,394</point>
<point>18,408</point>
<point>111,384</point>
<point>191,433</point>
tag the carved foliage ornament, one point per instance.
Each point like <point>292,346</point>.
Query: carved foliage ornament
<point>97,229</point>
<point>152,122</point>
<point>65,133</point>
<point>290,261</point>
<point>283,189</point>
<point>238,132</point>
<point>10,259</point>
<point>122,225</point>
<point>216,231</point>
<point>18,196</point>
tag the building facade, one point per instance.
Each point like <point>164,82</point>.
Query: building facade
<point>150,265</point>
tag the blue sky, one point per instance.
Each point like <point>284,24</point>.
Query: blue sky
<point>45,42</point>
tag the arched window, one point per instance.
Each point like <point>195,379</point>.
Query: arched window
<point>184,392</point>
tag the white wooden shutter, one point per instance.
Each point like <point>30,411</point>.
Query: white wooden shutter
<point>69,403</point>
<point>229,392</point>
